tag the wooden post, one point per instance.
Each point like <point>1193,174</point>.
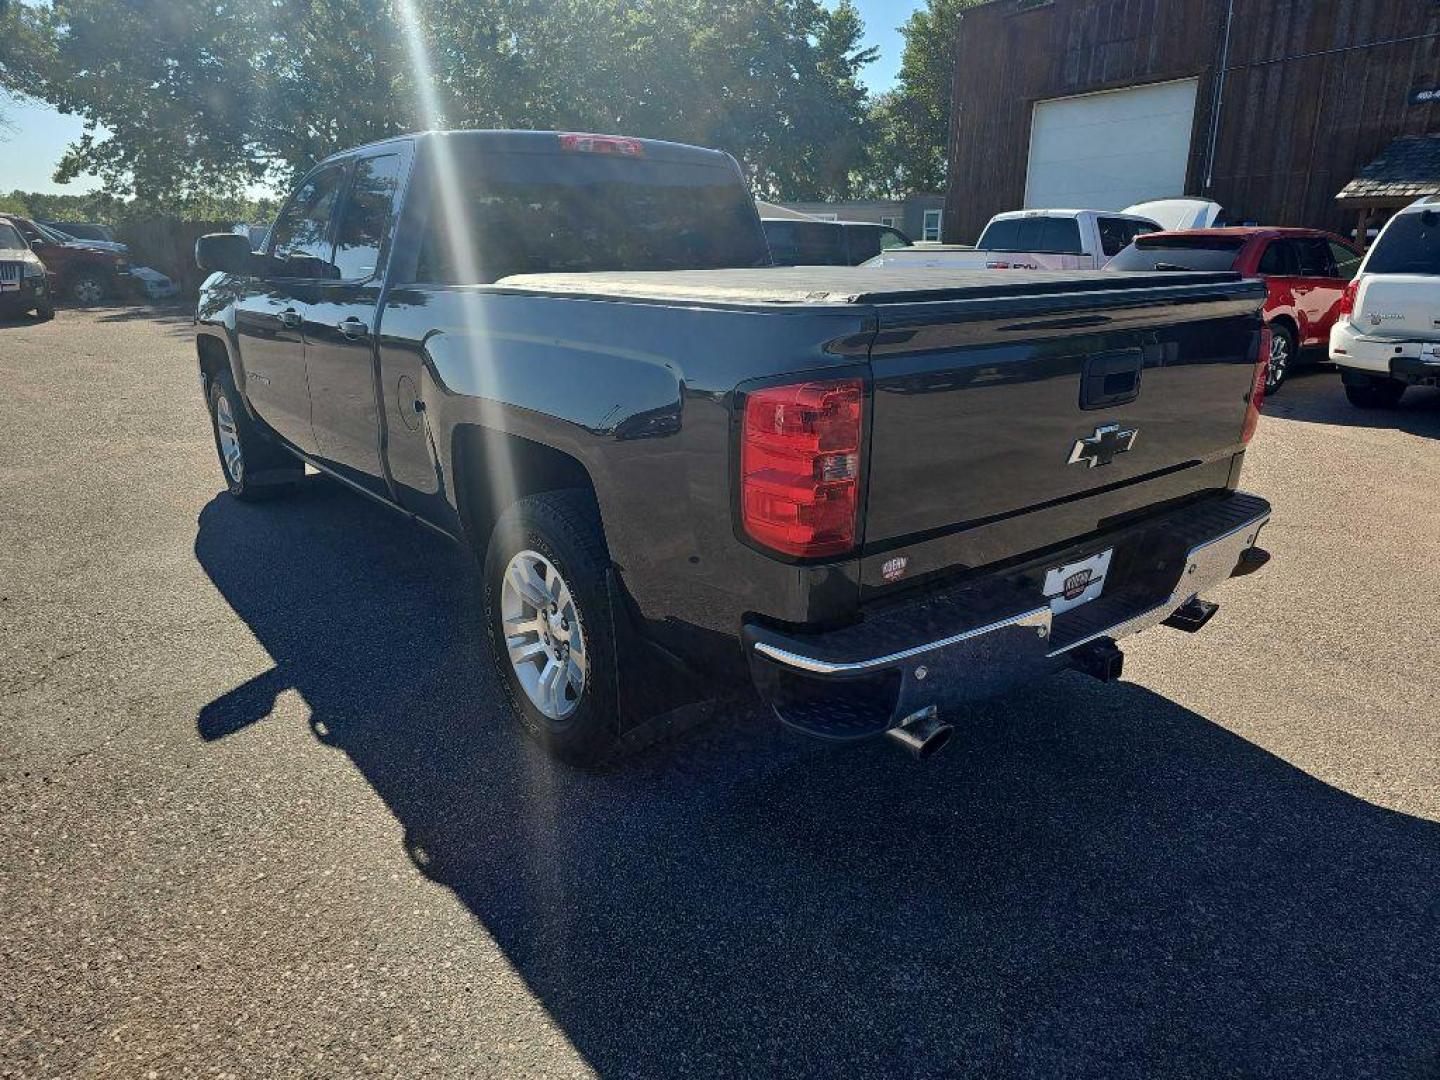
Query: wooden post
<point>1362,228</point>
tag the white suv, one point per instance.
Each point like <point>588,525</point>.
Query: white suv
<point>1387,336</point>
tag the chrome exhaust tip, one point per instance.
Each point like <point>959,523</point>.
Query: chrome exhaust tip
<point>922,733</point>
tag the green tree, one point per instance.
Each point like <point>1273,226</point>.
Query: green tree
<point>185,98</point>
<point>912,122</point>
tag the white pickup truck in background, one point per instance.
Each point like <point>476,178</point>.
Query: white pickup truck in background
<point>1387,336</point>
<point>1034,240</point>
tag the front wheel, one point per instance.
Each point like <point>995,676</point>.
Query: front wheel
<point>254,468</point>
<point>1376,394</point>
<point>1282,355</point>
<point>548,613</point>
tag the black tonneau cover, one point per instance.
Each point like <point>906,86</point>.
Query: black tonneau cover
<point>846,285</point>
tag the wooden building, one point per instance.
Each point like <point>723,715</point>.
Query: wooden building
<point>1268,107</point>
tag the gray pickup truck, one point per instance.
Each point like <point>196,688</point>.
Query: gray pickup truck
<point>876,494</point>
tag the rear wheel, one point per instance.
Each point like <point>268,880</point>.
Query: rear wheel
<point>88,289</point>
<point>254,467</point>
<point>548,614</point>
<point>1376,394</point>
<point>1282,355</point>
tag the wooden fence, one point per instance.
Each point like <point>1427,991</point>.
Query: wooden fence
<point>168,245</point>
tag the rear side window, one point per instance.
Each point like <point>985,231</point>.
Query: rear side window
<point>1313,255</point>
<point>365,217</point>
<point>1410,244</point>
<point>526,213</point>
<point>301,236</point>
<point>1177,253</point>
<point>1279,259</point>
<point>805,243</point>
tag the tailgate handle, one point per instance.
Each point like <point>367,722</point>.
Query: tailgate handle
<point>1111,378</point>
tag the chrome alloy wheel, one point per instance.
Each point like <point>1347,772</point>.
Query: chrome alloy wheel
<point>542,634</point>
<point>1279,359</point>
<point>229,439</point>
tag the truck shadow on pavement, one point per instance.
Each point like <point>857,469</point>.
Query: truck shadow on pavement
<point>1093,880</point>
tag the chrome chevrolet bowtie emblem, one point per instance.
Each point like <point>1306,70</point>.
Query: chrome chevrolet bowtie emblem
<point>1101,448</point>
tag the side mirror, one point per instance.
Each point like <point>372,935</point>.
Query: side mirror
<point>228,253</point>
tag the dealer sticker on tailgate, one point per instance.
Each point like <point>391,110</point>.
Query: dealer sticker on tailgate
<point>1077,583</point>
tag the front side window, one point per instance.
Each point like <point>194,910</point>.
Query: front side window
<point>931,229</point>
<point>1114,236</point>
<point>300,239</point>
<point>893,238</point>
<point>1410,244</point>
<point>365,217</point>
<point>1346,259</point>
<point>863,242</point>
<point>1118,233</point>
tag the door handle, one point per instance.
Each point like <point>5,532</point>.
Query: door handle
<point>352,329</point>
<point>290,317</point>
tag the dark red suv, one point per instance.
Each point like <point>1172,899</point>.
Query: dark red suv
<point>1305,271</point>
<point>85,274</point>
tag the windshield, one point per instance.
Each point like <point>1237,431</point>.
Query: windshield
<point>1178,253</point>
<point>1409,245</point>
<point>10,239</point>
<point>577,213</point>
<point>50,234</point>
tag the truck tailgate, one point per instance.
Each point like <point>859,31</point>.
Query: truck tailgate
<point>1000,426</point>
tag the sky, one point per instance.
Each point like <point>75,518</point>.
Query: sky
<point>37,136</point>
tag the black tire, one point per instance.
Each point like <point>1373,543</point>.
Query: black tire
<point>265,469</point>
<point>45,311</point>
<point>562,526</point>
<point>1282,357</point>
<point>1376,394</point>
<point>88,289</point>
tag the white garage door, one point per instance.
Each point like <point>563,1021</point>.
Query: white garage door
<point>1106,151</point>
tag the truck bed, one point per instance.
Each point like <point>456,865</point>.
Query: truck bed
<point>823,285</point>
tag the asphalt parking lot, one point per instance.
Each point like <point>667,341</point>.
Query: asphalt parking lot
<point>262,814</point>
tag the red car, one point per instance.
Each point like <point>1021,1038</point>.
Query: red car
<point>88,275</point>
<point>1305,271</point>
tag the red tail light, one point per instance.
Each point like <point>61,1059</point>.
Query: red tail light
<point>602,144</point>
<point>1347,298</point>
<point>1257,388</point>
<point>800,466</point>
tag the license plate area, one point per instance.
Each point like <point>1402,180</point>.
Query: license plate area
<point>1078,582</point>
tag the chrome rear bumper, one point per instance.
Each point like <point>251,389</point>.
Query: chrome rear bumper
<point>983,637</point>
